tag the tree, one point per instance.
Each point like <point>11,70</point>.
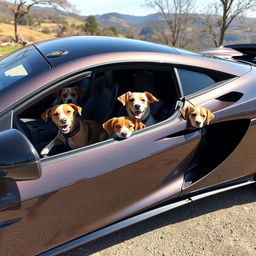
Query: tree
<point>91,26</point>
<point>222,15</point>
<point>177,15</point>
<point>19,8</point>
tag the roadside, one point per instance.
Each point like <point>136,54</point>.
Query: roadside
<point>224,224</point>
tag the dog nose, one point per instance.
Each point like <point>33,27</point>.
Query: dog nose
<point>123,134</point>
<point>198,123</point>
<point>69,100</point>
<point>137,106</point>
<point>63,120</point>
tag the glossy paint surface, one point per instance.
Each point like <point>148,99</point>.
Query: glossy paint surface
<point>93,187</point>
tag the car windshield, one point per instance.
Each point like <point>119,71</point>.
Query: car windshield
<point>21,65</point>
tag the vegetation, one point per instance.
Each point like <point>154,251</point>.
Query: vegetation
<point>9,48</point>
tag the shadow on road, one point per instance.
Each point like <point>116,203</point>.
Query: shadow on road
<point>224,200</point>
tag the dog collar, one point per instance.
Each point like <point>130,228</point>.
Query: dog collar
<point>73,132</point>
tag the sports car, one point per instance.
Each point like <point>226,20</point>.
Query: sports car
<point>52,204</point>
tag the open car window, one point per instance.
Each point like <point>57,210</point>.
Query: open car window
<point>98,101</point>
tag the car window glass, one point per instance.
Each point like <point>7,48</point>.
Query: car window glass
<point>21,65</point>
<point>192,81</point>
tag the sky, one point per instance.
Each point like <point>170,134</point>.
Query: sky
<point>132,7</point>
<point>93,7</point>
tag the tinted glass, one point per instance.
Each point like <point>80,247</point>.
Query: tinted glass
<point>192,81</point>
<point>21,65</point>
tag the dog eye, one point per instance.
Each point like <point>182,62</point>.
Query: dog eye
<point>143,100</point>
<point>118,126</point>
<point>131,100</point>
<point>203,116</point>
<point>64,95</point>
<point>130,126</point>
<point>68,111</point>
<point>56,114</point>
<point>193,114</point>
<point>73,95</point>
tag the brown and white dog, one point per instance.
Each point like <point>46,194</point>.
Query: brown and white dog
<point>69,95</point>
<point>137,104</point>
<point>122,127</point>
<point>73,132</point>
<point>197,116</point>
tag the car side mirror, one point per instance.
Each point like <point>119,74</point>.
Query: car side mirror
<point>18,158</point>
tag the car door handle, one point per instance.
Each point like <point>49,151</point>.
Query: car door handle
<point>182,133</point>
<point>7,223</point>
<point>230,97</point>
<point>181,136</point>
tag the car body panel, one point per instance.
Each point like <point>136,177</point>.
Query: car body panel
<point>104,185</point>
<point>115,183</point>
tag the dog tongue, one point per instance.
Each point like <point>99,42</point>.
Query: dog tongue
<point>138,115</point>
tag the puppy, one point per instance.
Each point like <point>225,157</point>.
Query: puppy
<point>73,132</point>
<point>137,105</point>
<point>122,127</point>
<point>69,95</point>
<point>197,116</point>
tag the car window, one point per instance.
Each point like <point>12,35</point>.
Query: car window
<point>99,103</point>
<point>20,66</point>
<point>192,81</point>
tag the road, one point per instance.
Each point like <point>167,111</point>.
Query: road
<point>223,224</point>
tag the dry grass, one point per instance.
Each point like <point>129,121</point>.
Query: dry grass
<point>28,34</point>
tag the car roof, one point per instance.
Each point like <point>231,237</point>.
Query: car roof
<point>83,46</point>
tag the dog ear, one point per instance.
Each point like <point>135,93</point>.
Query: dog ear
<point>124,97</point>
<point>209,116</point>
<point>151,97</point>
<point>80,91</point>
<point>139,125</point>
<point>57,94</point>
<point>47,114</point>
<point>76,108</point>
<point>185,112</point>
<point>108,125</point>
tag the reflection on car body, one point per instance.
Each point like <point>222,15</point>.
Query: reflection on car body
<point>74,196</point>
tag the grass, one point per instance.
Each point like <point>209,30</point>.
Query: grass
<point>27,33</point>
<point>7,49</point>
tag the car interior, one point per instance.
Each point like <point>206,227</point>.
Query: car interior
<point>99,101</point>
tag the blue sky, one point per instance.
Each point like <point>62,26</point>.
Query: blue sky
<point>93,7</point>
<point>132,7</point>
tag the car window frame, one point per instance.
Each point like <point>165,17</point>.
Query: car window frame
<point>51,87</point>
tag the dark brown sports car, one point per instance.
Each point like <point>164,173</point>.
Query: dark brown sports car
<point>52,204</point>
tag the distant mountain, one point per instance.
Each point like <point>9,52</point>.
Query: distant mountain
<point>139,25</point>
<point>151,27</point>
<point>41,13</point>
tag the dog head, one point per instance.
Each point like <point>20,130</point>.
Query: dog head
<point>69,95</point>
<point>122,127</point>
<point>197,116</point>
<point>63,116</point>
<point>137,104</point>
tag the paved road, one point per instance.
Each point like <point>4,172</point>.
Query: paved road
<point>223,224</point>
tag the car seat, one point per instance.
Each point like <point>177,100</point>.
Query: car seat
<point>102,100</point>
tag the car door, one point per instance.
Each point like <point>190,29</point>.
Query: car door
<point>85,189</point>
<point>225,152</point>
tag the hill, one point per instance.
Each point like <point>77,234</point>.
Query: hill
<point>53,22</point>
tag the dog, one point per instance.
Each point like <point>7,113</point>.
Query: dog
<point>73,131</point>
<point>68,95</point>
<point>137,105</point>
<point>197,116</point>
<point>122,127</point>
